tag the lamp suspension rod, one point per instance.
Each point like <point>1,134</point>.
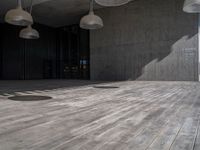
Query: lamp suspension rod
<point>91,5</point>
<point>19,3</point>
<point>31,8</point>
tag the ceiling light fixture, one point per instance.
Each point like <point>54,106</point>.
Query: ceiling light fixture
<point>18,16</point>
<point>112,2</point>
<point>191,6</point>
<point>91,21</point>
<point>29,32</point>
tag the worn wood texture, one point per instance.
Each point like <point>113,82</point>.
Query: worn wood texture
<point>135,116</point>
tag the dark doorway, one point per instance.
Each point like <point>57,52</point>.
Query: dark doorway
<point>74,53</point>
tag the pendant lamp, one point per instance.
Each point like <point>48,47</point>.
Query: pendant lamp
<point>91,21</point>
<point>112,2</point>
<point>191,6</point>
<point>29,32</point>
<point>18,16</point>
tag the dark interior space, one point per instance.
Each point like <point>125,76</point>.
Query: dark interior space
<point>60,53</point>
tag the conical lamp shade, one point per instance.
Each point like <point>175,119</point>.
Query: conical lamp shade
<point>18,16</point>
<point>191,6</point>
<point>112,2</point>
<point>29,33</point>
<point>91,22</point>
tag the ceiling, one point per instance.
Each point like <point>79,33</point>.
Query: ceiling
<point>54,13</point>
<point>5,5</point>
<point>60,12</point>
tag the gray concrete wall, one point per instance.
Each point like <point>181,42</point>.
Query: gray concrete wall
<point>145,40</point>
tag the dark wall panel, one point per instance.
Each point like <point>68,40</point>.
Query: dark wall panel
<point>12,54</point>
<point>1,51</point>
<point>27,59</point>
<point>40,55</point>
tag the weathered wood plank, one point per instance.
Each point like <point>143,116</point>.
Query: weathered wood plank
<point>135,116</point>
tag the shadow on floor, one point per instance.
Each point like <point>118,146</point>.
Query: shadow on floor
<point>30,98</point>
<point>11,88</point>
<point>106,87</point>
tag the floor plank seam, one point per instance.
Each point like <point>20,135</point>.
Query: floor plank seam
<point>197,133</point>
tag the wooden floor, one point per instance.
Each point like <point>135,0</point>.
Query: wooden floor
<point>135,116</point>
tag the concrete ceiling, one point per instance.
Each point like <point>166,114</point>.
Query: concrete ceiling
<point>5,5</point>
<point>60,12</point>
<point>54,13</point>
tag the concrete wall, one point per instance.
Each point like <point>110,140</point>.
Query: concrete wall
<point>145,40</point>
